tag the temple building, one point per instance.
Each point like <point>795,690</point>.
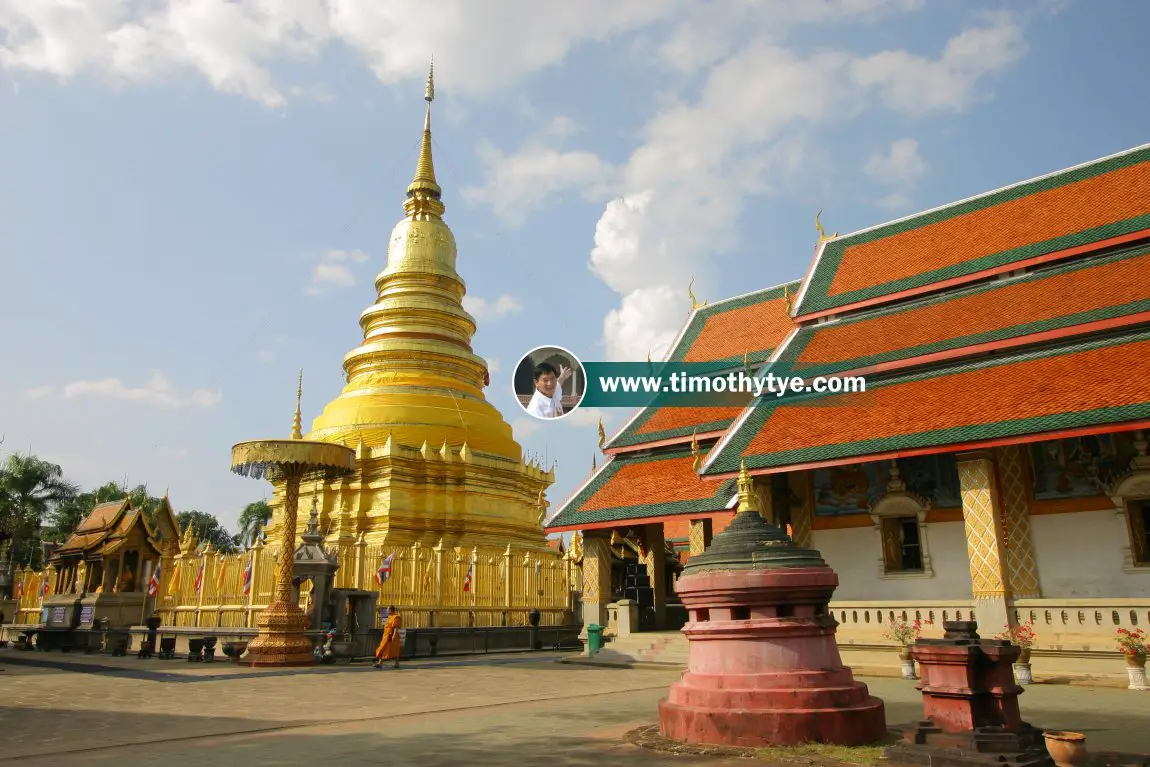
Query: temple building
<point>996,465</point>
<point>436,462</point>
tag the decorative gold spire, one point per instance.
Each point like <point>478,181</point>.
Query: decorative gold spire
<point>297,422</point>
<point>748,501</point>
<point>822,232</point>
<point>423,193</point>
<point>787,290</point>
<point>602,434</point>
<point>593,464</point>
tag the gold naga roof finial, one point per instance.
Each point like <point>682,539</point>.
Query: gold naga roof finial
<point>541,503</point>
<point>691,292</point>
<point>822,232</point>
<point>747,364</point>
<point>297,422</point>
<point>697,458</point>
<point>787,296</point>
<point>602,434</point>
<point>423,193</point>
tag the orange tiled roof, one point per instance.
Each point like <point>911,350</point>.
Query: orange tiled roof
<point>752,325</point>
<point>100,516</point>
<point>1098,382</point>
<point>748,329</point>
<point>1075,207</point>
<point>633,487</point>
<point>1073,294</point>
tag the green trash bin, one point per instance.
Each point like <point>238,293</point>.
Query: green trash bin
<point>594,639</point>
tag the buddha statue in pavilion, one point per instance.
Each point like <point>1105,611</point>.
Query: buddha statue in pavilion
<point>435,461</point>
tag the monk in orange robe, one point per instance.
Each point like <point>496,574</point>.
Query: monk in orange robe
<point>389,646</point>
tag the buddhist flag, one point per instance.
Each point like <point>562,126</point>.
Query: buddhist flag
<point>154,581</point>
<point>44,589</point>
<point>248,577</point>
<point>384,571</point>
<point>467,578</point>
<point>199,577</point>
<point>220,576</point>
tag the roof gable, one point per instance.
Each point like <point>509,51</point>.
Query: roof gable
<point>1091,203</point>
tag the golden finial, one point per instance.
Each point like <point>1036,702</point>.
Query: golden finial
<point>748,501</point>
<point>542,504</point>
<point>297,422</point>
<point>694,301</point>
<point>423,193</point>
<point>747,364</point>
<point>602,434</point>
<point>698,456</point>
<point>822,232</point>
<point>593,465</point>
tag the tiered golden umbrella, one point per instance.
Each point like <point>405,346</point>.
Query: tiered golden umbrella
<point>282,638</point>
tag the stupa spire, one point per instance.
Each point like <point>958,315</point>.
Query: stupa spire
<point>423,192</point>
<point>748,501</point>
<point>297,422</point>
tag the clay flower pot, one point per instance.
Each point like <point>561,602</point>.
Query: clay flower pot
<point>1024,656</point>
<point>1132,661</point>
<point>1067,749</point>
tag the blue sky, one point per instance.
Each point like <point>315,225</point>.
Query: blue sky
<point>175,174</point>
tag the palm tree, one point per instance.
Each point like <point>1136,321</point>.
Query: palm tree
<point>30,488</point>
<point>253,518</point>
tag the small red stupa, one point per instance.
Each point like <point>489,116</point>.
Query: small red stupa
<point>763,666</point>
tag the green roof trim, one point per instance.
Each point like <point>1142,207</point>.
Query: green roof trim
<point>730,455</point>
<point>807,334</point>
<point>570,515</point>
<point>816,299</point>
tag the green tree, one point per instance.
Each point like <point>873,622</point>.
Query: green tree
<point>207,529</point>
<point>30,489</point>
<point>253,519</point>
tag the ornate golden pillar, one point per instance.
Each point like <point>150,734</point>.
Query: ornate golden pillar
<point>1021,563</point>
<point>700,535</point>
<point>596,581</point>
<point>803,512</point>
<point>656,563</point>
<point>982,515</point>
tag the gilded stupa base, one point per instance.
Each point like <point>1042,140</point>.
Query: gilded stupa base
<point>282,640</point>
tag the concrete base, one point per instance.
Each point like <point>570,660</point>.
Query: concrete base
<point>925,745</point>
<point>772,710</point>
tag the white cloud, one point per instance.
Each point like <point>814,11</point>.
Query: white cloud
<point>525,427</point>
<point>522,182</point>
<point>482,309</point>
<point>233,44</point>
<point>894,202</point>
<point>334,270</point>
<point>902,164</point>
<point>918,85</point>
<point>157,392</point>
<point>683,190</point>
<point>492,365</point>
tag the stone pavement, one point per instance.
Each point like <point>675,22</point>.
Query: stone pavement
<point>513,709</point>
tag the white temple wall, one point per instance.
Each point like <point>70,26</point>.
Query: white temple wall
<point>854,553</point>
<point>1080,555</point>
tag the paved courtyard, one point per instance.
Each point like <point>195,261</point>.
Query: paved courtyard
<point>515,709</point>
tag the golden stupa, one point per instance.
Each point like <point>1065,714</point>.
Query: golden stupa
<point>435,461</point>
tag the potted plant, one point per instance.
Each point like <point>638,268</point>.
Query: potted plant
<point>905,634</point>
<point>1022,635</point>
<point>1132,645</point>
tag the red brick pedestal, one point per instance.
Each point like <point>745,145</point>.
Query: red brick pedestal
<point>970,706</point>
<point>764,668</point>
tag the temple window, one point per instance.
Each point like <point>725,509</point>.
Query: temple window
<point>902,547</point>
<point>899,517</point>
<point>1138,519</point>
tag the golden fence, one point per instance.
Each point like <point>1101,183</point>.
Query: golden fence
<point>427,584</point>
